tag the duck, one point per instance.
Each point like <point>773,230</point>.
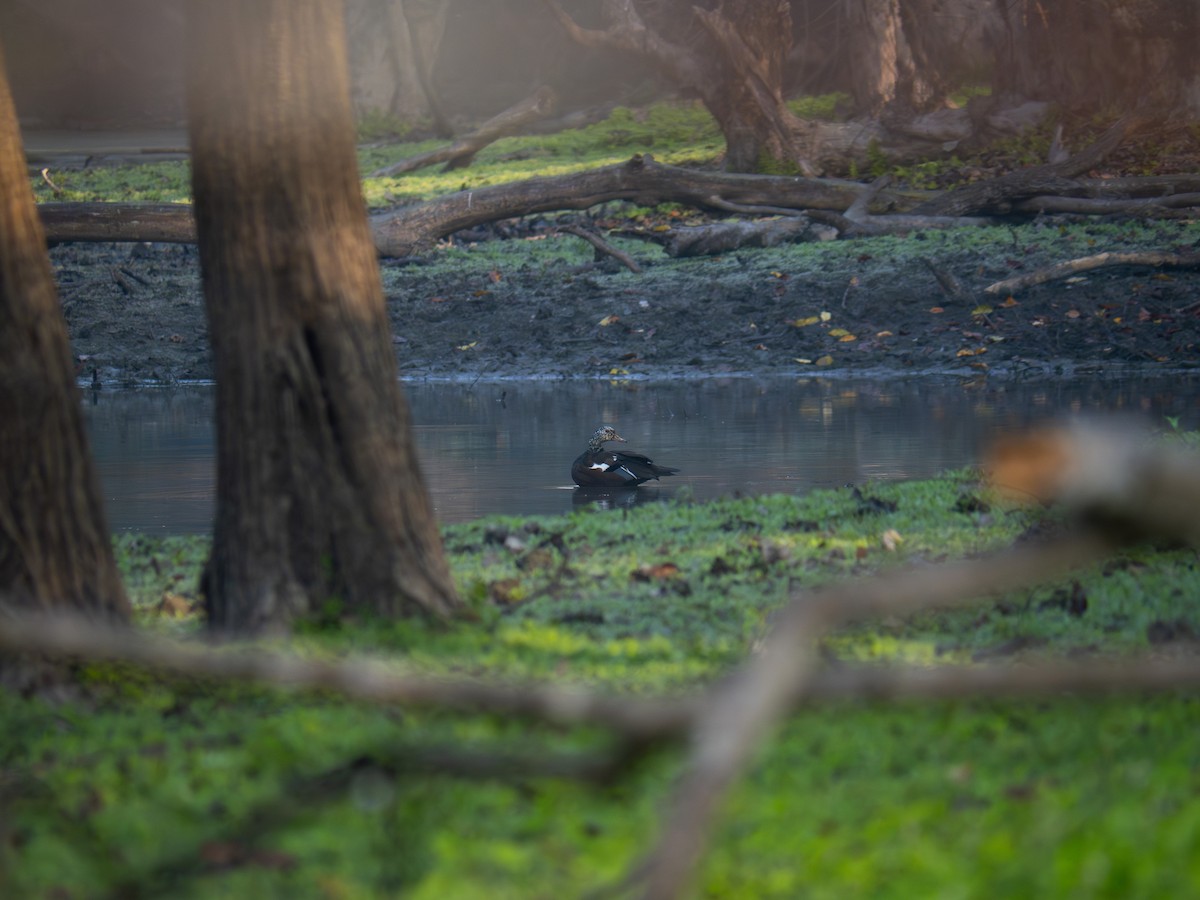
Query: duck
<point>598,467</point>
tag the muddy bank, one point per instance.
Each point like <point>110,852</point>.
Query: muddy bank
<point>545,308</point>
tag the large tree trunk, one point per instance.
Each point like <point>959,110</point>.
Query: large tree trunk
<point>55,547</point>
<point>319,498</point>
<point>735,67</point>
<point>746,98</point>
<point>394,46</point>
<point>1092,55</point>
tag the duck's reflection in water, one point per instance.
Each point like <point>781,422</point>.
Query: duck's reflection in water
<point>618,497</point>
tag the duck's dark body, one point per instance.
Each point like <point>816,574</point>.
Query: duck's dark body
<point>598,467</point>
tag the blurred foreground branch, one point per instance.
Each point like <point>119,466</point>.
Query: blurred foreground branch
<point>1120,486</point>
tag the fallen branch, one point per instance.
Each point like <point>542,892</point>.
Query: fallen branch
<point>1154,258</point>
<point>367,681</point>
<point>722,237</point>
<point>1051,178</point>
<point>743,710</point>
<point>1095,206</point>
<point>460,154</point>
<point>403,232</point>
<point>603,246</point>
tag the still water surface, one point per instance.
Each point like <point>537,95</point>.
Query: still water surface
<point>507,447</point>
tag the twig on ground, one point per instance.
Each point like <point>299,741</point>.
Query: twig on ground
<point>603,246</point>
<point>1156,258</point>
<point>53,187</point>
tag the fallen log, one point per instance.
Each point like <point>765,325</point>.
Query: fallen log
<point>407,230</point>
<point>460,154</point>
<point>1052,178</point>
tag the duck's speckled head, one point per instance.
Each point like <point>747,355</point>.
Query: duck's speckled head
<point>604,433</point>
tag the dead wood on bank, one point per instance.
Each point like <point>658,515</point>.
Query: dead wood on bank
<point>404,231</point>
<point>462,152</point>
<point>852,208</point>
<point>1158,259</point>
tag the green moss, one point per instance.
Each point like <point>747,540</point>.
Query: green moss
<point>205,791</point>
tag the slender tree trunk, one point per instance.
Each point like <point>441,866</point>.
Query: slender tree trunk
<point>320,503</point>
<point>55,547</point>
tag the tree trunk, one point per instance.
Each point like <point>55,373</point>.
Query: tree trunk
<point>55,546</point>
<point>747,99</point>
<point>394,45</point>
<point>1089,55</point>
<point>735,68</point>
<point>320,502</point>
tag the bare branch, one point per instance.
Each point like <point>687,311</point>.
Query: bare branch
<point>1155,258</point>
<point>1023,183</point>
<point>603,246</point>
<point>459,154</point>
<point>747,706</point>
<point>369,681</point>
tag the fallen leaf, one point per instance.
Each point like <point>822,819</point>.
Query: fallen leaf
<point>838,332</point>
<point>808,320</point>
<point>466,346</point>
<point>825,317</point>
<point>936,310</point>
<point>608,320</point>
<point>981,310</point>
<point>801,359</point>
<point>174,605</point>
<point>825,361</point>
<point>438,299</point>
<point>494,276</point>
<point>654,572</point>
<point>1073,314</point>
<point>846,338</point>
<point>1009,302</point>
<point>891,540</point>
<point>883,334</point>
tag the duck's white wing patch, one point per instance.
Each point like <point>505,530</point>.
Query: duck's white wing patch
<point>628,474</point>
<point>603,467</point>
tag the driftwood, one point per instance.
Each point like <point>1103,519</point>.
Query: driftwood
<point>850,207</point>
<point>1052,178</point>
<point>1159,259</point>
<point>722,237</point>
<point>1097,206</point>
<point>603,247</point>
<point>462,152</point>
<point>406,230</point>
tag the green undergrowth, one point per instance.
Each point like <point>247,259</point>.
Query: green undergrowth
<point>189,789</point>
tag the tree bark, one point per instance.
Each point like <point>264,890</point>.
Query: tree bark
<point>394,45</point>
<point>737,71</point>
<point>55,546</point>
<point>320,503</point>
<point>1089,55</point>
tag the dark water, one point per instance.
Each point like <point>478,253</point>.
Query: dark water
<point>507,447</point>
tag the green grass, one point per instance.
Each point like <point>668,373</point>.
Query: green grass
<point>192,790</point>
<point>678,133</point>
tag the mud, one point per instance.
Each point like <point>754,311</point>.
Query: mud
<point>136,312</point>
